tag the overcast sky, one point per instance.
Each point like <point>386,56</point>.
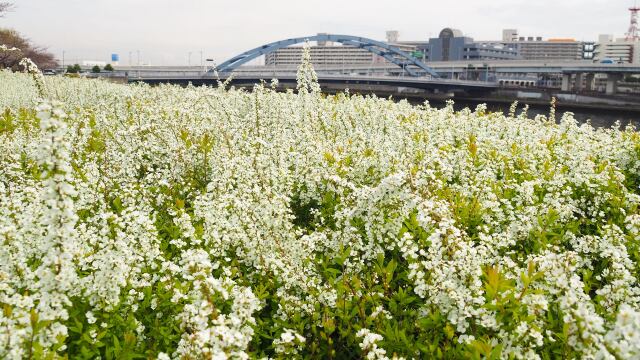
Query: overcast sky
<point>165,31</point>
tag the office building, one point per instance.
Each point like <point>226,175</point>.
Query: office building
<point>550,50</point>
<point>452,45</point>
<point>617,51</point>
<point>323,54</point>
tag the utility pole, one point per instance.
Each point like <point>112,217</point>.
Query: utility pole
<point>63,68</point>
<point>189,58</point>
<point>138,53</point>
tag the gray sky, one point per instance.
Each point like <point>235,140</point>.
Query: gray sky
<point>165,31</point>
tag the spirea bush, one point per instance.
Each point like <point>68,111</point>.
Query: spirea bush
<point>209,223</point>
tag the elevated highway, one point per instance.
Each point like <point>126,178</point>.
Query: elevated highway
<point>380,82</point>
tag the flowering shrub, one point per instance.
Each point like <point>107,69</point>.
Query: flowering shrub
<point>201,223</point>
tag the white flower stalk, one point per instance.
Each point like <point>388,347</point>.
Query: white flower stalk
<point>307,78</point>
<point>57,274</point>
<point>51,284</point>
<point>31,68</point>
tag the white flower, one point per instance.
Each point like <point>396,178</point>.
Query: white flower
<point>90,318</point>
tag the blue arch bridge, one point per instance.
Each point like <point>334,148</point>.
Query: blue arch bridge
<point>409,64</point>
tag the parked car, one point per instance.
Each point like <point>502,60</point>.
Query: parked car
<point>49,72</point>
<point>608,61</point>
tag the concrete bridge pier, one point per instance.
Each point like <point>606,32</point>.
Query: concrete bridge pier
<point>566,82</point>
<point>612,83</point>
<point>578,82</point>
<point>590,82</point>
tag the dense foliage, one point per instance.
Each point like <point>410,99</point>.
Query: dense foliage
<point>204,223</point>
<point>24,48</point>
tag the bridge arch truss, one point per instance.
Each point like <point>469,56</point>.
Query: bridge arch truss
<point>402,59</point>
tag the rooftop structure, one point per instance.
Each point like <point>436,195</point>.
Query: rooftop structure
<point>509,35</point>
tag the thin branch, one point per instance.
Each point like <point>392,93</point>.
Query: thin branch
<point>5,7</point>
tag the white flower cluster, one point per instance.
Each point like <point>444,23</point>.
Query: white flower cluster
<point>369,346</point>
<point>209,331</point>
<point>624,338</point>
<point>5,48</point>
<point>289,343</point>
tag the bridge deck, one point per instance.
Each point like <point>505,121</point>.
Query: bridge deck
<point>412,82</point>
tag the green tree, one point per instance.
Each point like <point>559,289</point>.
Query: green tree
<point>73,69</point>
<point>95,69</point>
<point>108,67</point>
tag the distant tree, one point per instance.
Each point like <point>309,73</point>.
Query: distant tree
<point>10,59</point>
<point>73,69</point>
<point>108,67</point>
<point>5,7</point>
<point>95,69</point>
